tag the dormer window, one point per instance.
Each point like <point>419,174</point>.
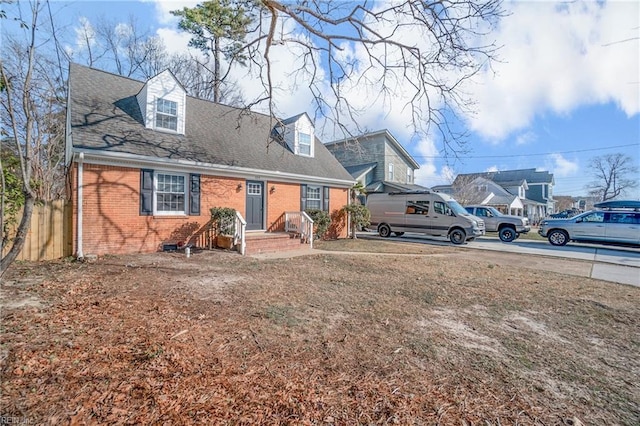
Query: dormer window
<point>166,114</point>
<point>304,143</point>
<point>297,133</point>
<point>163,103</point>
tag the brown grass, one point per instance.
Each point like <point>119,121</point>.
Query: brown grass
<point>408,334</point>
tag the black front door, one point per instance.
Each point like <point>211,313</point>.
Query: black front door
<point>255,205</point>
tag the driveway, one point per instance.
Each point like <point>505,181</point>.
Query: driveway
<point>609,263</point>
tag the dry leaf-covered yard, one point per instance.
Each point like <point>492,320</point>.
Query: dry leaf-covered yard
<point>430,335</point>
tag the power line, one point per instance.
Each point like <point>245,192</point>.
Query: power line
<point>528,155</point>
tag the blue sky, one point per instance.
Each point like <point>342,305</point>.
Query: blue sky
<point>566,89</point>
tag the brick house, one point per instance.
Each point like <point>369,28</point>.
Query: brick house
<point>147,162</point>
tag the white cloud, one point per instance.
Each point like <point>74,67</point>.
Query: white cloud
<point>560,166</point>
<point>557,57</point>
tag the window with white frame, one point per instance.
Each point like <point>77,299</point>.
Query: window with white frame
<point>304,143</point>
<point>166,114</point>
<point>391,171</point>
<point>409,175</point>
<point>314,197</point>
<point>170,193</point>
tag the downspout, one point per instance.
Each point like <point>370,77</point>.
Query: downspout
<point>80,254</point>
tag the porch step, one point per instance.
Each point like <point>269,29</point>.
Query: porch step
<point>268,242</point>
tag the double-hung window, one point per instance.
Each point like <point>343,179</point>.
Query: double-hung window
<point>166,114</point>
<point>166,193</point>
<point>304,143</point>
<point>170,193</point>
<point>314,200</point>
<point>391,172</point>
<point>314,197</point>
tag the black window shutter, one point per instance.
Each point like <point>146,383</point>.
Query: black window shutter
<point>303,197</point>
<point>146,192</point>
<point>325,204</point>
<point>194,195</point>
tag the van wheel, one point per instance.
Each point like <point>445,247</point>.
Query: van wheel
<point>384,231</point>
<point>558,237</point>
<point>507,234</point>
<point>457,236</point>
<point>398,234</point>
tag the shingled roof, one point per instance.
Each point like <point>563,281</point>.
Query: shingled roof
<point>105,118</point>
<point>512,177</point>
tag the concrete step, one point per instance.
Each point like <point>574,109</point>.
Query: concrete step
<point>269,242</point>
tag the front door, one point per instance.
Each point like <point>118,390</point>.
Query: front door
<point>255,205</point>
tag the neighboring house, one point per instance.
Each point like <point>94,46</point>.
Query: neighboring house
<point>377,161</point>
<point>523,192</point>
<point>148,162</point>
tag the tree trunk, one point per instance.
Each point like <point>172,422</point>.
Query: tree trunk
<point>216,71</point>
<point>23,229</point>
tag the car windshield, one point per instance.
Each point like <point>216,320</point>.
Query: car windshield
<point>495,212</point>
<point>457,208</point>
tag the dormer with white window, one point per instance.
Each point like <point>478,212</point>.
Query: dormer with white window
<point>162,103</point>
<point>299,135</point>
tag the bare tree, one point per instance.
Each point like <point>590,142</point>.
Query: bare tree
<point>420,51</point>
<point>611,174</point>
<point>32,106</point>
<point>466,191</point>
<point>120,47</point>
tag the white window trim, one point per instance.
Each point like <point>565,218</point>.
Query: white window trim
<point>409,175</point>
<point>157,212</point>
<point>391,172</point>
<point>156,112</point>
<point>319,199</point>
<point>298,146</point>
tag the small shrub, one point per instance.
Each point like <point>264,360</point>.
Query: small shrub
<point>224,219</point>
<point>321,222</point>
<point>360,217</point>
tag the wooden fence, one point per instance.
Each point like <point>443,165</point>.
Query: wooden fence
<point>50,234</point>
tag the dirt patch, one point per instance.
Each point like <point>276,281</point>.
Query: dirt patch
<point>412,338</point>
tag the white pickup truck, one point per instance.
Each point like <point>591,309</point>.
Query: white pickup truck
<point>507,226</point>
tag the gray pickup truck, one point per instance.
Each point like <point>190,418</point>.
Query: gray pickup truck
<point>507,226</point>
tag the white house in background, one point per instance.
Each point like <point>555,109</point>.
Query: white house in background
<point>523,192</point>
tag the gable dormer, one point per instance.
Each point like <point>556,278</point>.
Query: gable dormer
<point>162,103</point>
<point>299,135</point>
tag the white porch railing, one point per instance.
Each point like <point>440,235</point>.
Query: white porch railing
<point>299,223</point>
<point>238,238</point>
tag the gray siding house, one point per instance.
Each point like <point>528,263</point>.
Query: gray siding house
<point>378,161</point>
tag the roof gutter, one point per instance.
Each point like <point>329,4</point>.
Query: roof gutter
<point>139,161</point>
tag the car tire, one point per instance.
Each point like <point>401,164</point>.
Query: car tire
<point>398,234</point>
<point>457,236</point>
<point>558,237</point>
<point>384,231</point>
<point>507,234</point>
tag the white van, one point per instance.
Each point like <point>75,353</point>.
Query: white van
<point>425,212</point>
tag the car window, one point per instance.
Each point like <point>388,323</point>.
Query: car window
<point>417,207</point>
<point>623,217</point>
<point>593,217</point>
<point>441,208</point>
